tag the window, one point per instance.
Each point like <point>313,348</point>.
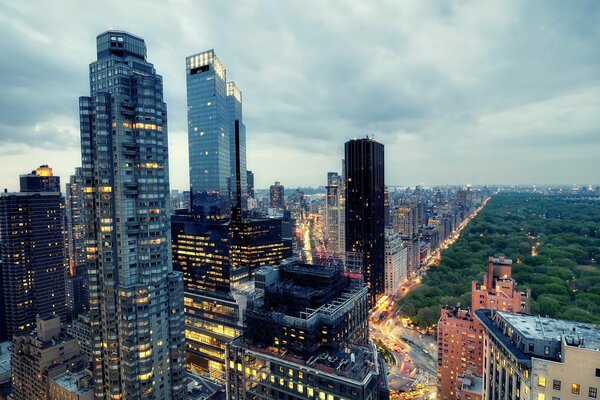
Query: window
<point>555,398</point>
<point>542,381</point>
<point>598,372</point>
<point>556,384</point>
<point>593,392</point>
<point>541,396</point>
<point>575,388</point>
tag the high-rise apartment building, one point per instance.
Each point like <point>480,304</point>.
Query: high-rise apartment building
<point>335,214</point>
<point>396,261</point>
<point>537,358</point>
<point>405,221</point>
<point>365,225</point>
<point>307,337</point>
<point>78,296</point>
<point>213,106</point>
<point>32,252</point>
<point>460,337</point>
<point>40,180</point>
<point>39,356</point>
<point>136,300</point>
<point>75,222</point>
<point>277,193</point>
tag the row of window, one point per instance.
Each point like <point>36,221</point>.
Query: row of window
<point>575,388</point>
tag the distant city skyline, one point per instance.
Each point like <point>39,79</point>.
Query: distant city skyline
<point>480,93</point>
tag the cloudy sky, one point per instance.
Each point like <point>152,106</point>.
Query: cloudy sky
<point>459,92</point>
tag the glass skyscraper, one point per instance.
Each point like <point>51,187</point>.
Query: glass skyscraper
<point>136,300</point>
<point>213,106</point>
<point>365,225</point>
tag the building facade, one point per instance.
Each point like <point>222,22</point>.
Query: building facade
<point>216,258</point>
<point>276,199</point>
<point>32,252</point>
<point>460,335</point>
<point>531,357</point>
<point>364,221</point>
<point>40,355</point>
<point>396,261</point>
<point>335,214</point>
<point>214,104</point>
<point>306,337</point>
<point>136,300</point>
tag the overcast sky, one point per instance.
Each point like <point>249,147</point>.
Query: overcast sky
<point>459,92</point>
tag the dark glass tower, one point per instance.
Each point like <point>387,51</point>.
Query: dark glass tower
<point>32,250</point>
<point>365,220</point>
<point>136,300</point>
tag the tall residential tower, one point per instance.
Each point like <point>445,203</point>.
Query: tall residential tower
<point>136,300</point>
<point>32,252</point>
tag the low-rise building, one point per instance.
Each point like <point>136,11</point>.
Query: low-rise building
<point>41,355</point>
<point>72,386</point>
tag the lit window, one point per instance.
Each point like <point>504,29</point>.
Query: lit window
<point>541,396</point>
<point>542,381</point>
<point>575,388</point>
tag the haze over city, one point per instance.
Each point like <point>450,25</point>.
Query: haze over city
<point>470,92</point>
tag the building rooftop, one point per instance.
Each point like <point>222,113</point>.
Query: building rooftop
<point>75,382</point>
<point>471,383</point>
<point>527,336</point>
<point>576,334</point>
<point>352,361</point>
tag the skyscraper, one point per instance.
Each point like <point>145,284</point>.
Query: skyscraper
<point>334,214</point>
<point>136,300</point>
<point>277,193</point>
<point>32,252</point>
<point>250,180</point>
<point>365,225</point>
<point>77,282</point>
<point>213,106</point>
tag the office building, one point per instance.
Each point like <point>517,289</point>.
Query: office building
<point>136,300</point>
<point>32,251</point>
<point>396,262</point>
<point>250,180</point>
<point>258,241</point>
<point>277,193</point>
<point>335,214</point>
<point>364,168</point>
<point>460,337</point>
<point>213,106</point>
<point>306,336</point>
<point>216,258</point>
<point>538,358</point>
<point>39,356</point>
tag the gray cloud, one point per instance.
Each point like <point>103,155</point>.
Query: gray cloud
<point>458,92</point>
